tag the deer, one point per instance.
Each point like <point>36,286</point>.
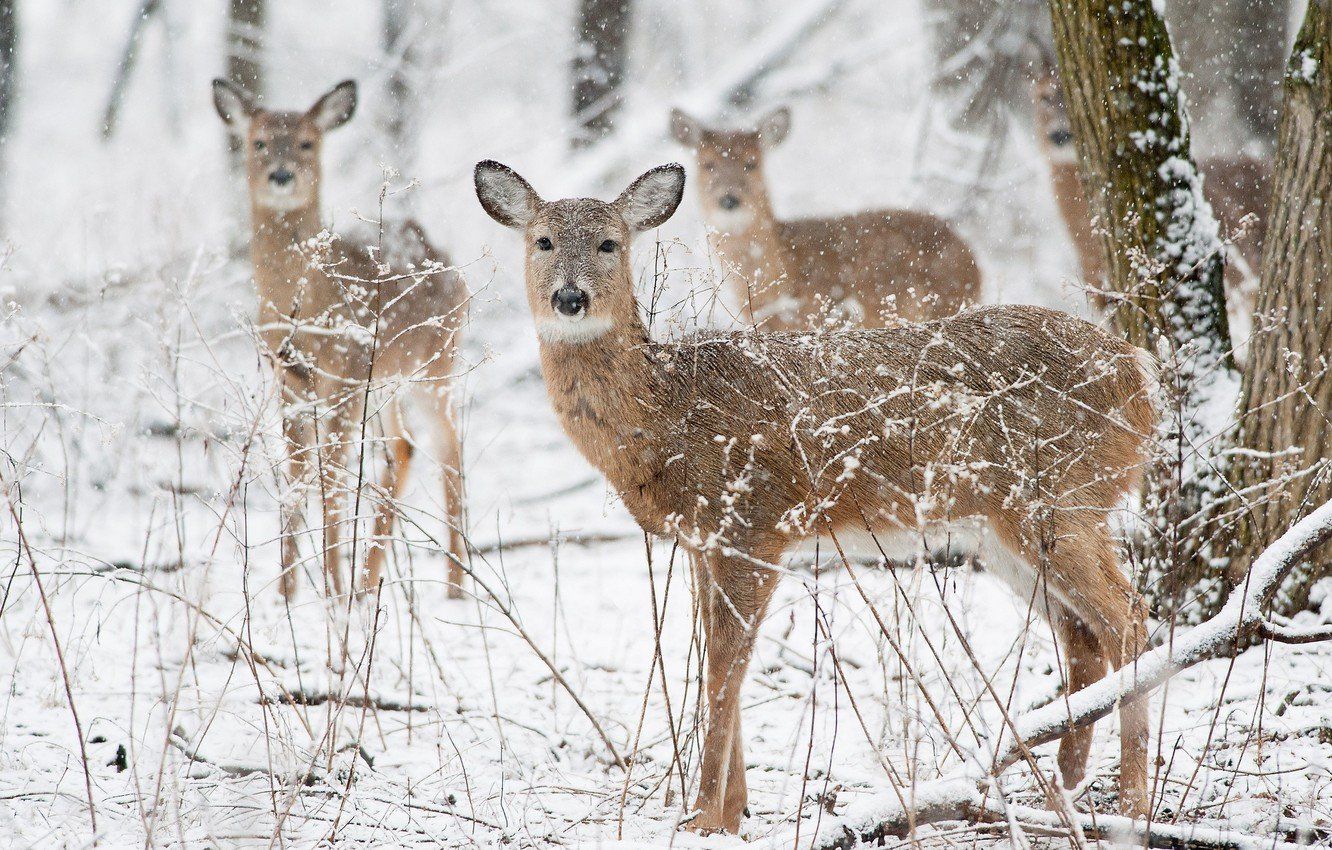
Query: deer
<point>1237,187</point>
<point>874,266</point>
<point>336,316</point>
<point>1006,432</point>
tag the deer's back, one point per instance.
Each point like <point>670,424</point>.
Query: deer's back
<point>388,299</point>
<point>1239,186</point>
<point>994,407</point>
<point>893,262</point>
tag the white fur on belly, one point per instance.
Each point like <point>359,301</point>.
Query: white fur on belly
<point>574,331</point>
<point>968,536</point>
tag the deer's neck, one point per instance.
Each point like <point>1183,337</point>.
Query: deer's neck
<point>607,394</point>
<point>1076,212</point>
<point>275,249</point>
<point>754,259</point>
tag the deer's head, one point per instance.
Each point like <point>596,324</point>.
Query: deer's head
<point>579,280</point>
<point>282,148</point>
<point>730,166</point>
<point>1055,133</point>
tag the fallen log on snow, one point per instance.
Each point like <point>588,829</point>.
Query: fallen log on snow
<point>965,795</point>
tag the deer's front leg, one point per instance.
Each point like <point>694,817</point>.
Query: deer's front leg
<point>734,596</point>
<point>298,437</point>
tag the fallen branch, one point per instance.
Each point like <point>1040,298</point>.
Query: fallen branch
<point>238,768</point>
<point>579,539</point>
<point>1240,618</point>
<point>961,796</point>
<point>953,800</point>
<point>308,698</point>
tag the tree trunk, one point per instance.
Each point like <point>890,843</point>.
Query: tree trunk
<point>598,67</point>
<point>1255,65</point>
<point>245,51</point>
<point>1121,85</point>
<point>8,91</point>
<point>1285,438</point>
<point>1231,51</point>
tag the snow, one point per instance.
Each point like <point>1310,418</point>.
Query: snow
<point>140,444</point>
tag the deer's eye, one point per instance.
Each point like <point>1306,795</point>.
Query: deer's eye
<point>608,246</point>
<point>260,144</point>
<point>750,166</point>
<point>544,243</point>
<point>307,145</point>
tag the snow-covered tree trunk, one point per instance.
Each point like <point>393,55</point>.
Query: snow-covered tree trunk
<point>600,56</point>
<point>8,89</point>
<point>1165,258</point>
<point>1283,467</point>
<point>245,67</point>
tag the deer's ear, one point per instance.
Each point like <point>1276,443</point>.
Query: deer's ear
<point>653,197</point>
<point>775,125</point>
<point>234,105</point>
<point>685,128</point>
<point>335,108</point>
<point>504,194</point>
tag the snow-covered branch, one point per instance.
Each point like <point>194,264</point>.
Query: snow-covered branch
<point>1241,617</point>
<point>961,796</point>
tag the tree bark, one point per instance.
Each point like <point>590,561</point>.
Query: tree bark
<point>600,59</point>
<point>245,49</point>
<point>1285,439</point>
<point>8,92</point>
<point>1121,85</point>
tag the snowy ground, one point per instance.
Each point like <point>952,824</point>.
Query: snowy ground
<point>148,663</point>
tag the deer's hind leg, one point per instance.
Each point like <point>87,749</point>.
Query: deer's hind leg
<point>1085,574</point>
<point>1084,664</point>
<point>298,440</point>
<point>400,452</point>
<point>336,430</point>
<point>437,400</point>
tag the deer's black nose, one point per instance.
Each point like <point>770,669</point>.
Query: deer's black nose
<point>569,300</point>
<point>281,177</point>
<point>728,202</point>
<point>1061,137</point>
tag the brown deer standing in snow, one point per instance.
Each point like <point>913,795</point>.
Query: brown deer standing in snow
<point>882,264</point>
<point>336,316</point>
<point>1236,186</point>
<point>1009,432</point>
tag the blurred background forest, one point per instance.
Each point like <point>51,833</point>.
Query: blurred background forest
<point>151,681</point>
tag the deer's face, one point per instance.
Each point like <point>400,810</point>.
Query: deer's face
<point>731,185</point>
<point>1052,124</point>
<point>579,280</point>
<point>282,149</point>
<point>282,159</point>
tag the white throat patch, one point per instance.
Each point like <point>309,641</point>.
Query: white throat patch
<point>573,331</point>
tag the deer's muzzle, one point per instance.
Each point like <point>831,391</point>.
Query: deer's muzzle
<point>569,301</point>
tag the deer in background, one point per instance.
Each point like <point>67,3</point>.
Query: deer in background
<point>881,265</point>
<point>1007,432</point>
<point>1236,186</point>
<point>337,315</point>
